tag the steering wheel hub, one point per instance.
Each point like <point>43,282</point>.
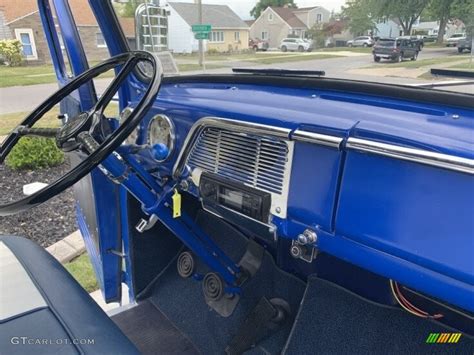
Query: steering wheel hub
<point>72,128</point>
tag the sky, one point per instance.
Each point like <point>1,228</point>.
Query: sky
<point>243,7</point>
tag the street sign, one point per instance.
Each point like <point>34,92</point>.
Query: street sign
<point>201,28</point>
<point>201,35</point>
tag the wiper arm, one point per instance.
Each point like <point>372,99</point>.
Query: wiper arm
<point>279,72</point>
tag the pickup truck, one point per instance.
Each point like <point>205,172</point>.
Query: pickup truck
<point>259,211</point>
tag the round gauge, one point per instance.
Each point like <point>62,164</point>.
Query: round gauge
<point>161,131</point>
<point>132,138</point>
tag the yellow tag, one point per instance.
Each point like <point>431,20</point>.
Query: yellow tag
<point>176,204</point>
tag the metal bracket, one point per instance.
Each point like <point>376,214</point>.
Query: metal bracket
<point>144,225</point>
<point>303,252</point>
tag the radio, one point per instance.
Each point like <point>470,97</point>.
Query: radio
<point>217,191</point>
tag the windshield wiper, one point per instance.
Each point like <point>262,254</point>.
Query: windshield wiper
<point>279,72</point>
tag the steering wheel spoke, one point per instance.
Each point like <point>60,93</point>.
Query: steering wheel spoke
<point>37,132</point>
<point>113,87</point>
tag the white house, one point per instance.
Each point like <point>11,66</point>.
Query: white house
<point>388,28</point>
<point>229,32</point>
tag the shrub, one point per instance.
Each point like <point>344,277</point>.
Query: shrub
<point>34,153</point>
<point>10,50</point>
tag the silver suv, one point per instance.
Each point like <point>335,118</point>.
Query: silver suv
<point>362,41</point>
<point>295,44</point>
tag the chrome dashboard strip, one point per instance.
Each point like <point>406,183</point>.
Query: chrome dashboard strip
<point>439,160</point>
<point>225,123</point>
<point>317,138</point>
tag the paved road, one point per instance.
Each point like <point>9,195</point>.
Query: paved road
<point>26,98</point>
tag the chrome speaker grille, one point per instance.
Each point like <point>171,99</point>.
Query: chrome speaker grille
<point>262,162</point>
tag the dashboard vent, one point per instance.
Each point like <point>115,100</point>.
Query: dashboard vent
<point>257,161</point>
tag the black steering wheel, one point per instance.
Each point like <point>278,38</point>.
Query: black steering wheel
<point>85,127</point>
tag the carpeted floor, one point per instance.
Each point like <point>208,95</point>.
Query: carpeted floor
<point>152,332</point>
<point>333,320</point>
<point>182,300</point>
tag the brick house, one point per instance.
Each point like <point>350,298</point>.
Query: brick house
<point>24,23</point>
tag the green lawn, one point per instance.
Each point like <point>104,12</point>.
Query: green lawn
<point>32,75</point>
<point>9,121</point>
<point>190,67</point>
<point>81,269</point>
<point>426,62</point>
<point>466,66</point>
<point>295,58</point>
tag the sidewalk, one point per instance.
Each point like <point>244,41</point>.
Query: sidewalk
<point>26,98</point>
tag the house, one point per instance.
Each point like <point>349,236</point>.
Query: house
<point>431,28</point>
<point>229,32</point>
<point>24,23</point>
<point>276,23</point>
<point>388,28</point>
<point>311,16</point>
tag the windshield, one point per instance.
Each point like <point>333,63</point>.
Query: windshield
<point>338,37</point>
<point>385,43</point>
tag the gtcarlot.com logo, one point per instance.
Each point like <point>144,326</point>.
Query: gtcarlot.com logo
<point>47,341</point>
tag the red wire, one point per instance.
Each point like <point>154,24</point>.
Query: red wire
<point>412,307</point>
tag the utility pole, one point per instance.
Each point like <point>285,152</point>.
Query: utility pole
<point>201,43</point>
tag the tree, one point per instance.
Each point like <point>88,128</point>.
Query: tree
<point>405,11</point>
<point>358,15</point>
<point>263,4</point>
<point>445,11</point>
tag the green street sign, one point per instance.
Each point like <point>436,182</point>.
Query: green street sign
<point>201,28</point>
<point>202,35</point>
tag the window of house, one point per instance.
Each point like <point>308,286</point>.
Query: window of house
<point>100,41</point>
<point>264,35</point>
<point>237,36</point>
<point>270,17</point>
<point>319,17</point>
<point>27,40</point>
<point>217,36</point>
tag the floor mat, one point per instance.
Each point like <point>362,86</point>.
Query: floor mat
<point>182,300</point>
<point>152,332</point>
<point>333,320</point>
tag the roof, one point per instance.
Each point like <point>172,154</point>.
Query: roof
<point>128,25</point>
<point>12,11</point>
<point>218,16</point>
<point>289,17</point>
<point>303,9</point>
<point>81,10</point>
<point>249,22</point>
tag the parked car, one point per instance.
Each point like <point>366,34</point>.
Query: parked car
<point>362,41</point>
<point>296,44</point>
<point>395,49</point>
<point>465,44</point>
<point>419,41</point>
<point>258,45</point>
<point>454,39</point>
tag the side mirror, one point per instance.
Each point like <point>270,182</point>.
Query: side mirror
<point>151,28</point>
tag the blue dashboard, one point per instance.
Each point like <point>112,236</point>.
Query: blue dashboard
<point>386,183</point>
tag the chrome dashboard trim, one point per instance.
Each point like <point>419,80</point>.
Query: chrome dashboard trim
<point>421,156</point>
<point>225,123</point>
<point>317,138</point>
